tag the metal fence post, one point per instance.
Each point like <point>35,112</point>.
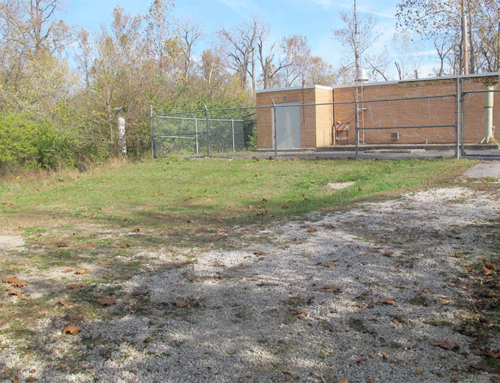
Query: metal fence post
<point>232,129</point>
<point>152,132</point>
<point>208,132</point>
<point>356,117</point>
<point>195,132</point>
<point>274,128</point>
<point>462,120</point>
<point>457,150</point>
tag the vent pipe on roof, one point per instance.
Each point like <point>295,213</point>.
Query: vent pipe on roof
<point>362,76</point>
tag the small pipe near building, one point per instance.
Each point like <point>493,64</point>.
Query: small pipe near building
<point>489,102</point>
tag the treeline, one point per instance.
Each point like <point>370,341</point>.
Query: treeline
<point>60,85</point>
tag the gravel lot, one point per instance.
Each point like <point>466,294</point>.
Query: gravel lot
<point>360,294</point>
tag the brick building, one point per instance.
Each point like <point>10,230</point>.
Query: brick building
<point>404,112</point>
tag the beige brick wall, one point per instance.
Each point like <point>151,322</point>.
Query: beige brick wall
<point>308,117</point>
<point>420,112</point>
<point>317,121</point>
<point>324,117</point>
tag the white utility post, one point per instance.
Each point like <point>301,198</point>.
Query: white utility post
<point>121,130</point>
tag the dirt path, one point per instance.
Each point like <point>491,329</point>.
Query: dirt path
<point>378,292</point>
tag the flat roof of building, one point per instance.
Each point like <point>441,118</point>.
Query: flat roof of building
<point>476,75</point>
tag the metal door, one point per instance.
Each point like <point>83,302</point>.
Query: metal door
<point>288,126</point>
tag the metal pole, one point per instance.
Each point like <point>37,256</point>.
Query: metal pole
<point>232,128</point>
<point>274,128</point>
<point>152,132</point>
<point>457,150</point>
<point>356,126</point>
<point>196,132</point>
<point>462,120</point>
<point>208,133</point>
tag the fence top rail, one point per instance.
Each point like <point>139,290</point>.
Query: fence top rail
<point>193,119</point>
<point>480,91</point>
<point>214,110</point>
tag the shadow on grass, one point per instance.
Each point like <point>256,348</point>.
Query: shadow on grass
<point>234,315</point>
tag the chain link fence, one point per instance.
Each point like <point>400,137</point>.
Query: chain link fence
<point>204,133</point>
<point>454,120</point>
<point>479,116</point>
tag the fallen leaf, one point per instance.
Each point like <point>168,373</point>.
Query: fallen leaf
<point>108,301</point>
<point>125,246</point>
<point>71,330</point>
<point>148,340</point>
<point>299,313</point>
<point>391,302</point>
<point>311,230</point>
<point>329,289</point>
<point>67,271</point>
<point>490,266</point>
<point>388,254</point>
<point>10,280</point>
<point>137,230</point>
<point>62,244</point>
<point>105,263</point>
<point>65,304</point>
<point>487,271</point>
<point>17,293</point>
<point>180,304</point>
<point>16,379</point>
<point>20,284</point>
<point>82,271</point>
<point>329,264</point>
<point>31,379</point>
<point>452,346</point>
<point>259,253</point>
<point>482,366</point>
<point>343,380</point>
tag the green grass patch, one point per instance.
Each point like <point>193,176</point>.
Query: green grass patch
<point>179,195</point>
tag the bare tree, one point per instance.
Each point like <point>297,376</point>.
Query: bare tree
<point>189,33</point>
<point>408,51</point>
<point>297,58</point>
<point>241,45</point>
<point>157,33</point>
<point>358,34</point>
<point>444,48</point>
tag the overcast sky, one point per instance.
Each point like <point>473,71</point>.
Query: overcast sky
<point>314,19</point>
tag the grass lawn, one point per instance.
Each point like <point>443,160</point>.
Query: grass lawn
<point>185,203</point>
<point>179,195</point>
<point>109,221</point>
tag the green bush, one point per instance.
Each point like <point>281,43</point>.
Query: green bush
<point>33,144</point>
<point>16,139</point>
<point>54,149</point>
